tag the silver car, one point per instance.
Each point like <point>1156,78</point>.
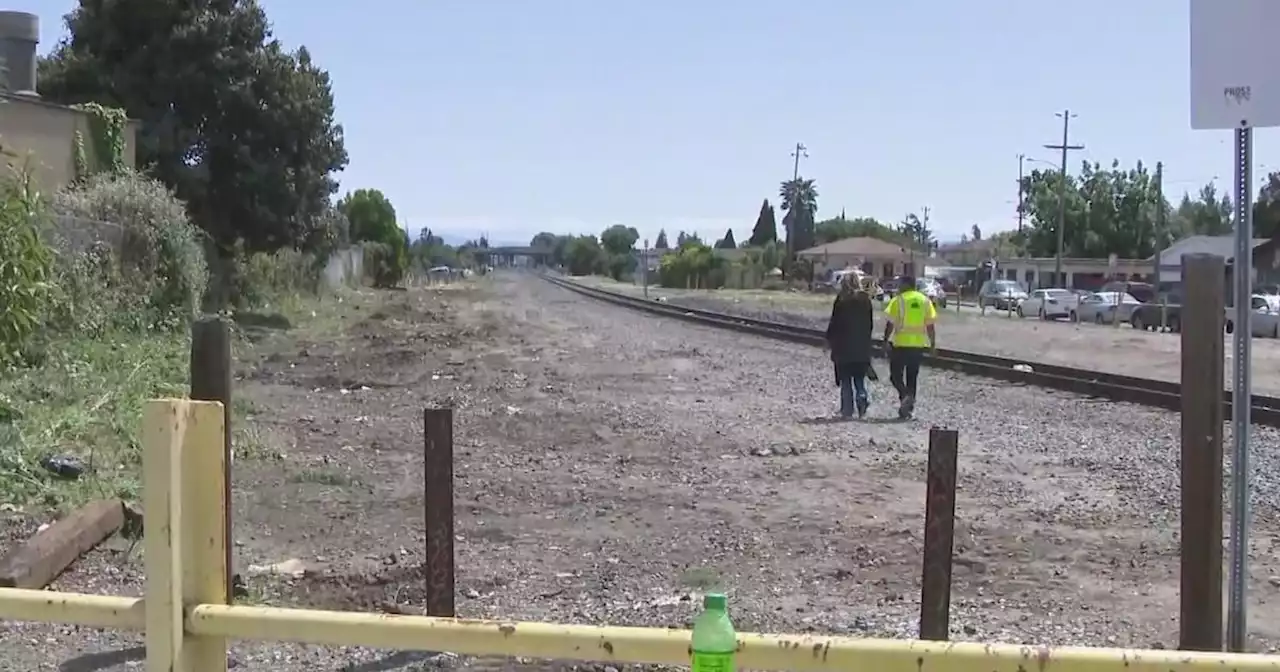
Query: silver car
<point>1105,307</point>
<point>1001,294</point>
<point>1048,304</point>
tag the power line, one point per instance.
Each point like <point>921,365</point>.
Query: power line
<point>1062,194</point>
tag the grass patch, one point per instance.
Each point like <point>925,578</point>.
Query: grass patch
<point>85,402</point>
<point>700,578</point>
<point>330,477</point>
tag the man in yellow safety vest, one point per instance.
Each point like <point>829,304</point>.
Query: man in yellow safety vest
<point>908,333</point>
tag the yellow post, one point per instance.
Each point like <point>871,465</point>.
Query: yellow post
<point>204,542</point>
<point>164,423</point>
<point>183,463</point>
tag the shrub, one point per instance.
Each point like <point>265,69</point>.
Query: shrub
<point>382,263</point>
<point>161,256</point>
<point>25,266</point>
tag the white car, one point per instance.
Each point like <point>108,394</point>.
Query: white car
<point>1105,307</point>
<point>1048,304</point>
<point>932,289</point>
<point>1265,320</point>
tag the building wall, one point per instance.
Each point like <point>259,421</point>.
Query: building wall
<point>42,135</point>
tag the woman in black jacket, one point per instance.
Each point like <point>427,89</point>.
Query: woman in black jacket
<point>849,340</point>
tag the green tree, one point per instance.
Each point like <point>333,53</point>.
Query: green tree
<point>1266,209</point>
<point>619,244</point>
<point>727,243</point>
<point>975,233</point>
<point>372,219</point>
<point>831,230</point>
<point>766,228</point>
<point>800,202</point>
<point>1209,215</point>
<point>1111,211</point>
<point>240,128</point>
<point>661,242</point>
<point>916,232</point>
<point>584,256</point>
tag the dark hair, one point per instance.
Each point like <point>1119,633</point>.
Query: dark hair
<point>906,282</point>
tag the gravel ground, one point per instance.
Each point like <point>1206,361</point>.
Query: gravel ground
<point>1101,348</point>
<point>611,466</point>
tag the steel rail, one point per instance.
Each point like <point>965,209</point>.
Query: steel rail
<point>1085,382</point>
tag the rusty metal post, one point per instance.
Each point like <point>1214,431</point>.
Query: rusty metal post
<point>1200,618</point>
<point>211,381</point>
<point>939,534</point>
<point>437,426</point>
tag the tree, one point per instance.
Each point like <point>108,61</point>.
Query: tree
<point>1208,215</point>
<point>976,233</point>
<point>799,192</point>
<point>661,242</point>
<point>372,219</point>
<point>619,244</point>
<point>1112,211</point>
<point>831,230</point>
<point>584,256</point>
<point>727,243</point>
<point>800,202</point>
<point>916,232</point>
<point>241,129</point>
<point>1266,209</point>
<point>766,228</point>
<point>544,240</point>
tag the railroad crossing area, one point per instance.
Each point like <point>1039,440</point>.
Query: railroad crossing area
<point>608,466</point>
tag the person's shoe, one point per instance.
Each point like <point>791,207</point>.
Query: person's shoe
<point>906,408</point>
<point>863,404</point>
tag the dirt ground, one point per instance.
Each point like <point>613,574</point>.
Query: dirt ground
<point>611,466</point>
<point>1105,348</point>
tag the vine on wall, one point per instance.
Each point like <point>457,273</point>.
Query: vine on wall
<point>106,126</point>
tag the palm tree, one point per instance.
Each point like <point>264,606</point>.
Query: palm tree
<point>799,191</point>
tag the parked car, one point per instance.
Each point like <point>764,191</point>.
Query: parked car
<point>1105,308</point>
<point>1048,304</point>
<point>1163,312</point>
<point>932,289</point>
<point>1264,320</point>
<point>1001,294</point>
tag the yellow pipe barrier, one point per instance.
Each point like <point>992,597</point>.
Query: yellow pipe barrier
<point>94,611</point>
<point>187,626</point>
<point>671,647</point>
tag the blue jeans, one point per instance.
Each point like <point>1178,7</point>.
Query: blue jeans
<point>853,389</point>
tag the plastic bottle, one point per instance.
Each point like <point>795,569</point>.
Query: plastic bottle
<point>714,641</point>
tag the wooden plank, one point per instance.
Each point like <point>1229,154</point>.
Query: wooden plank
<point>36,563</point>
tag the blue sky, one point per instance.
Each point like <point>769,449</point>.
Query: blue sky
<point>512,117</point>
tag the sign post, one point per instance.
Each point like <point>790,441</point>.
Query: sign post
<point>644,267</point>
<point>1231,88</point>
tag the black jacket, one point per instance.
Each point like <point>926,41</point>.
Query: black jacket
<point>850,328</point>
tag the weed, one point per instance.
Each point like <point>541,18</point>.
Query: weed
<point>700,578</point>
<point>85,400</point>
<point>330,477</point>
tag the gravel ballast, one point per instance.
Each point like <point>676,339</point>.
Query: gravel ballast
<point>612,465</point>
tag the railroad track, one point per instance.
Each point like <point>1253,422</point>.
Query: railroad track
<point>1148,392</point>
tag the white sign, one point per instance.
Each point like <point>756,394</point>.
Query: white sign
<point>1233,55</point>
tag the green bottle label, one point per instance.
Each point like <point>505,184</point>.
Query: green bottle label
<point>712,662</point>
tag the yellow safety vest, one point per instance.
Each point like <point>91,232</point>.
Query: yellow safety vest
<point>911,313</point>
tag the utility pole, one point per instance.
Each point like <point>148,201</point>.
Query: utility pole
<point>1062,195</point>
<point>1021,159</point>
<point>1157,236</point>
<point>801,151</point>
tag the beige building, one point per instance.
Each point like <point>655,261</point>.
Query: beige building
<point>873,256</point>
<point>32,131</point>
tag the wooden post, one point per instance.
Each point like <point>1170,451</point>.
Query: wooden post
<point>939,534</point>
<point>1200,621</point>
<point>437,426</point>
<point>211,381</point>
